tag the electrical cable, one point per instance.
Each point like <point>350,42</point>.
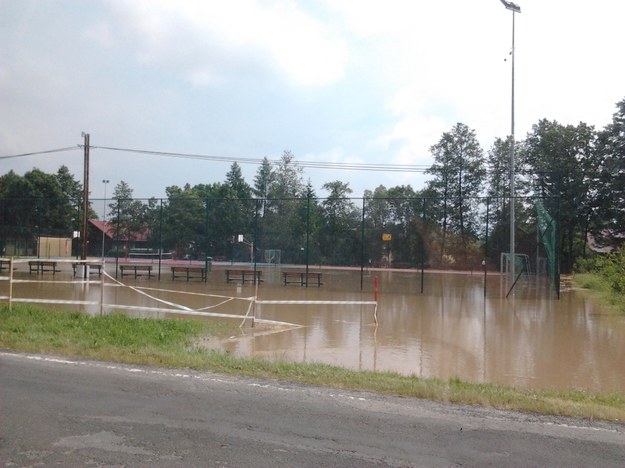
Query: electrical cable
<point>58,150</point>
<point>256,161</point>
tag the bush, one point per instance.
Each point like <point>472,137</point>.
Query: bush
<point>609,266</point>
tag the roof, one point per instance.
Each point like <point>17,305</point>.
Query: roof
<point>607,241</point>
<point>109,230</point>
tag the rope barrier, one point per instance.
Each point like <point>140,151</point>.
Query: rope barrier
<point>288,302</point>
<point>174,307</point>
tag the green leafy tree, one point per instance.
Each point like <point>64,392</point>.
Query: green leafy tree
<point>458,179</point>
<point>262,184</point>
<point>234,179</point>
<point>340,230</point>
<point>227,216</point>
<point>70,186</point>
<point>378,220</point>
<point>264,179</point>
<point>560,158</point>
<point>184,219</point>
<point>288,178</point>
<point>242,207</point>
<point>608,219</point>
<point>283,225</point>
<point>498,202</point>
<point>53,211</point>
<point>39,204</point>
<point>126,215</point>
<point>18,206</point>
<point>407,232</point>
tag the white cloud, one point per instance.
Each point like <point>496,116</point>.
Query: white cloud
<point>101,34</point>
<point>332,80</point>
<point>210,41</point>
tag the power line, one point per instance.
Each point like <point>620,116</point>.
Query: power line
<point>256,161</point>
<point>244,160</point>
<point>58,150</point>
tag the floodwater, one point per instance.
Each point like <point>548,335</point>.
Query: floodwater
<point>461,325</point>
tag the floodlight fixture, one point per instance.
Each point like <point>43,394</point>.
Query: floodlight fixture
<point>511,6</point>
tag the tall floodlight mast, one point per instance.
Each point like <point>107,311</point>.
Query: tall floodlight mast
<point>514,8</point>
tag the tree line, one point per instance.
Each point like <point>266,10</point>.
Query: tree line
<point>457,218</point>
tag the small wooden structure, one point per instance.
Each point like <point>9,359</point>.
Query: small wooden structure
<point>41,266</point>
<point>136,269</point>
<point>188,272</point>
<point>251,276</point>
<point>301,277</point>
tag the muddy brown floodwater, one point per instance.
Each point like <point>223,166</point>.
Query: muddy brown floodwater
<point>457,327</point>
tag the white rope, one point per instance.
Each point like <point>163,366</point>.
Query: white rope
<point>218,304</point>
<point>373,303</point>
<point>177,308</point>
<point>173,304</point>
<point>202,314</point>
<point>52,301</point>
<point>181,309</point>
<point>193,293</point>
<point>56,282</point>
<point>227,298</point>
<point>318,302</point>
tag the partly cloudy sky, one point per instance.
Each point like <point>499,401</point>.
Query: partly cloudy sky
<point>330,80</point>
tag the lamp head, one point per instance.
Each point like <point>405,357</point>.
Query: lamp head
<point>511,6</point>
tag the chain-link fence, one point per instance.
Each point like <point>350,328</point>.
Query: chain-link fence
<point>469,234</point>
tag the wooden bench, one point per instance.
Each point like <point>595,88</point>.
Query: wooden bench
<point>135,269</point>
<point>301,277</point>
<point>93,268</point>
<point>41,266</point>
<point>243,276</point>
<point>188,272</point>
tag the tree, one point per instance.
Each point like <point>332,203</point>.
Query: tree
<point>458,177</point>
<point>608,218</point>
<point>407,232</point>
<point>126,215</point>
<point>498,198</point>
<point>242,208</point>
<point>184,218</point>
<point>560,159</point>
<point>339,231</point>
<point>378,220</point>
<point>17,207</point>
<point>234,179</point>
<point>73,191</point>
<point>377,210</point>
<point>70,186</point>
<point>283,226</point>
<point>264,179</point>
<point>287,181</point>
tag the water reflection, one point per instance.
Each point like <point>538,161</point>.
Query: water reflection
<point>461,325</point>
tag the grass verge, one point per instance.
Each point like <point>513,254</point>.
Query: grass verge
<point>600,291</point>
<point>170,343</point>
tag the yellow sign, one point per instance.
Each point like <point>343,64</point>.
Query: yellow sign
<point>386,237</point>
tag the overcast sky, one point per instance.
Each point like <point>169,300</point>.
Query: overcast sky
<point>352,81</point>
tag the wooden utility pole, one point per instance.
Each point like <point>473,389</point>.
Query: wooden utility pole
<point>85,200</point>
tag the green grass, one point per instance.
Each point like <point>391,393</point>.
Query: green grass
<point>601,291</point>
<point>172,344</point>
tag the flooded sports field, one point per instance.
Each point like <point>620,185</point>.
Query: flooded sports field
<point>431,325</point>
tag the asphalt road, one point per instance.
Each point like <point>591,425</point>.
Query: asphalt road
<point>55,411</point>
